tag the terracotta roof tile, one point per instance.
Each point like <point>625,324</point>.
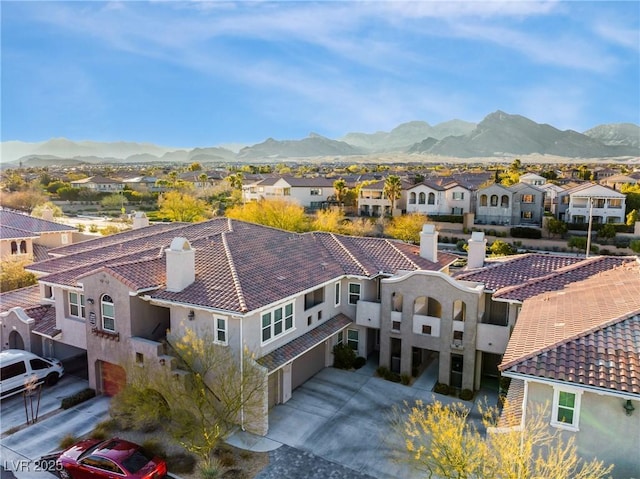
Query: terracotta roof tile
<point>588,333</point>
<point>304,343</point>
<point>30,224</point>
<point>24,298</point>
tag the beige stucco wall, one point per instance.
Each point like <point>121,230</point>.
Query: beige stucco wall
<point>5,249</point>
<point>442,288</point>
<point>605,431</point>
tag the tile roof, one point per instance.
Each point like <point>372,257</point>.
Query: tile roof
<point>304,343</point>
<point>26,223</point>
<point>239,266</point>
<point>45,321</point>
<point>516,270</point>
<point>7,233</point>
<point>558,279</point>
<point>511,415</point>
<point>23,297</point>
<point>587,334</point>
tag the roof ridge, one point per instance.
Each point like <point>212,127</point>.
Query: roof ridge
<point>234,272</point>
<point>349,253</point>
<point>390,243</point>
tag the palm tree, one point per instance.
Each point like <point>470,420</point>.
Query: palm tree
<point>392,190</point>
<point>341,188</point>
<point>235,180</point>
<point>203,178</point>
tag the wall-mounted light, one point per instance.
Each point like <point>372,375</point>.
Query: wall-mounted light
<point>90,300</point>
<point>191,315</point>
<point>628,407</point>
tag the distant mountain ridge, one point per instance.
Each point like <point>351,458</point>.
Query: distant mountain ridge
<point>498,134</point>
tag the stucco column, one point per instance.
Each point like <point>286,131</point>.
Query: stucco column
<point>286,382</point>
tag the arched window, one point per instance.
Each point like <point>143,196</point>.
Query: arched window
<point>432,199</point>
<point>426,306</point>
<point>494,200</point>
<point>412,198</point>
<point>108,313</point>
<point>459,310</point>
<point>504,201</point>
<point>23,247</point>
<point>14,247</point>
<point>421,198</point>
<point>483,200</point>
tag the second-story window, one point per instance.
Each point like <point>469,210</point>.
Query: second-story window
<point>107,310</point>
<point>76,305</point>
<point>313,298</point>
<point>221,330</point>
<point>277,322</point>
<point>336,298</point>
<point>316,191</point>
<point>458,195</point>
<point>528,198</point>
<point>354,293</point>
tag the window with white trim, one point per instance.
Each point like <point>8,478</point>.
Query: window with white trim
<point>107,309</point>
<point>336,298</point>
<point>566,408</point>
<point>277,322</point>
<point>458,195</point>
<point>221,330</point>
<point>354,293</point>
<point>76,305</point>
<point>340,337</point>
<point>315,191</point>
<point>353,339</point>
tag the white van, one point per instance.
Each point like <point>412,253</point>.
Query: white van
<point>18,367</point>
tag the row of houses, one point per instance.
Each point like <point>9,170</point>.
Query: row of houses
<point>565,329</point>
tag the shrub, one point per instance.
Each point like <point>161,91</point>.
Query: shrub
<point>383,372</point>
<point>154,447</point>
<point>93,228</point>
<point>466,395</point>
<point>394,377</point>
<point>343,356</point>
<point>77,398</point>
<point>181,463</point>
<point>139,409</point>
<point>68,441</point>
<point>227,459</point>
<point>405,379</point>
<point>441,388</point>
<point>359,362</point>
<point>525,232</point>
<point>212,470</point>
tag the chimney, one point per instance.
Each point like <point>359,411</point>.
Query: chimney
<point>477,250</point>
<point>429,243</point>
<point>181,265</point>
<point>47,213</point>
<point>140,220</point>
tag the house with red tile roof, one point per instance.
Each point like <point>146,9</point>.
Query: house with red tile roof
<point>519,204</point>
<point>309,192</point>
<point>289,298</point>
<point>577,349</point>
<point>603,204</point>
<point>373,202</point>
<point>433,199</point>
<point>21,235</point>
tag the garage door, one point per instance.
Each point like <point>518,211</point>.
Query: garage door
<point>113,378</point>
<point>307,365</point>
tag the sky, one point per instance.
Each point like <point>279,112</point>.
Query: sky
<point>204,73</point>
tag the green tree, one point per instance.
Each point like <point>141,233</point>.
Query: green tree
<point>632,218</point>
<point>14,276</point>
<point>68,193</point>
<point>579,242</point>
<point>54,186</point>
<point>406,227</point>
<point>340,187</point>
<point>200,409</point>
<point>557,227</point>
<point>607,232</point>
<point>632,193</point>
<point>635,246</point>
<point>114,201</point>
<point>179,206</point>
<point>501,248</point>
<point>392,190</point>
<point>441,441</point>
<point>195,167</point>
<point>277,213</point>
<point>235,180</point>
<point>55,209</point>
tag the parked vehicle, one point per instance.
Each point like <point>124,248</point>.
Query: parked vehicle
<point>20,367</point>
<point>95,459</point>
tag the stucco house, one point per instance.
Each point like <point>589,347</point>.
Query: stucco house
<point>311,193</point>
<point>373,202</point>
<point>577,350</point>
<point>431,198</point>
<point>99,184</point>
<point>25,237</point>
<point>519,204</point>
<point>604,205</point>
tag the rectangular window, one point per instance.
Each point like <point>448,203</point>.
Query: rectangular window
<point>76,305</point>
<point>319,315</point>
<point>340,337</point>
<point>313,298</point>
<point>458,195</point>
<point>352,339</point>
<point>528,198</point>
<point>316,191</point>
<point>354,293</point>
<point>527,215</point>
<point>221,330</point>
<point>108,317</point>
<point>395,325</point>
<point>426,329</point>
<point>566,409</point>
<point>277,322</point>
<point>457,335</point>
<point>615,203</point>
<point>309,320</point>
<point>336,299</point>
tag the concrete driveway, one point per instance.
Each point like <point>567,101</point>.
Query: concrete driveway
<point>344,417</point>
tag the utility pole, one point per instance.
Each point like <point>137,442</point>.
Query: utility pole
<point>589,228</point>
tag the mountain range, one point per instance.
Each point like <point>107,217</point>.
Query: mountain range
<point>498,135</point>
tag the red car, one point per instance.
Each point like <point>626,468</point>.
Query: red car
<point>110,459</point>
